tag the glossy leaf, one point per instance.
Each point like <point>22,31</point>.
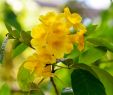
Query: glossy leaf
<point>92,55</point>
<point>103,76</point>
<point>102,42</point>
<point>62,79</point>
<point>106,79</point>
<point>10,17</point>
<point>19,49</point>
<point>91,29</point>
<point>74,53</point>
<point>84,83</point>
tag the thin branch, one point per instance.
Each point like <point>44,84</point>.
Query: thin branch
<point>41,81</point>
<point>61,66</point>
<point>53,83</point>
<point>61,60</point>
<point>18,90</point>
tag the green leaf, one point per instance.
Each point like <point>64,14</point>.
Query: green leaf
<point>62,78</point>
<point>10,17</point>
<point>12,33</point>
<point>19,49</point>
<point>102,42</point>
<point>91,55</point>
<point>5,90</point>
<point>15,34</point>
<point>84,83</point>
<point>103,76</point>
<point>68,62</point>
<point>106,79</point>
<point>9,28</point>
<point>74,53</point>
<point>91,29</point>
<point>25,78</point>
<point>84,67</point>
<point>25,37</point>
<point>67,91</point>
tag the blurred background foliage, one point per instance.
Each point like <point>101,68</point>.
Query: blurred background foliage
<point>23,14</point>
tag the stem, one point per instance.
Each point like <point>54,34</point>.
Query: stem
<point>61,66</point>
<point>53,83</point>
<point>41,81</point>
<point>61,60</point>
<point>21,91</point>
<point>18,91</point>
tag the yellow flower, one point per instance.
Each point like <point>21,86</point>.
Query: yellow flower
<point>80,27</point>
<point>37,65</point>
<point>72,18</point>
<point>75,20</point>
<point>52,39</point>
<point>49,18</point>
<point>79,39</point>
<point>38,33</point>
<point>59,45</point>
<point>53,35</point>
<point>46,56</point>
<point>47,71</point>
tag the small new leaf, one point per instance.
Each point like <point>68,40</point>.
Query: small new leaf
<point>13,34</point>
<point>25,37</point>
<point>68,62</point>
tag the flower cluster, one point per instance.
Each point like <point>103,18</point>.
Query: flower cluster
<point>52,39</point>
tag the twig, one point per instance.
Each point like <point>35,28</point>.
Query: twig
<point>61,60</point>
<point>61,66</point>
<point>18,90</point>
<point>41,81</point>
<point>53,83</point>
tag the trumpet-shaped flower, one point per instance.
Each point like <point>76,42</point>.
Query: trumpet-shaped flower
<point>72,18</point>
<point>52,39</point>
<point>75,19</point>
<point>38,66</point>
